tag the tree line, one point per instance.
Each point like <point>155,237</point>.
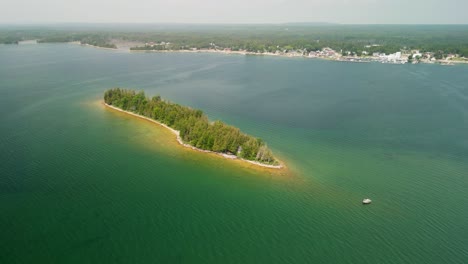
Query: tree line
<point>443,39</point>
<point>194,126</point>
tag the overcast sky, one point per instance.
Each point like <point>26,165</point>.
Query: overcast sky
<point>238,11</point>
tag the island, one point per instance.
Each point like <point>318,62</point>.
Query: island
<point>193,128</point>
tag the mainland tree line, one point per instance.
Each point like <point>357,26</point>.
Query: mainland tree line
<point>194,126</point>
<point>441,39</point>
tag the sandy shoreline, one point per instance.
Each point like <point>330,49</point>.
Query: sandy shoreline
<point>90,46</point>
<point>270,54</point>
<point>179,139</point>
<point>221,52</point>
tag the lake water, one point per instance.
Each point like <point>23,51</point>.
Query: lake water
<point>80,183</point>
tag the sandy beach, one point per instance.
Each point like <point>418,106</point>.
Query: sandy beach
<point>179,139</point>
<point>229,52</point>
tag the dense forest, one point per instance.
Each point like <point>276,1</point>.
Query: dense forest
<point>442,39</point>
<point>194,126</point>
<point>98,39</point>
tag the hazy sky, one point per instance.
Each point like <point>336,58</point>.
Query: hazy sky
<point>239,11</point>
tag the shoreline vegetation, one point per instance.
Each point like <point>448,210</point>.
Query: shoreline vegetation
<point>397,44</point>
<point>328,54</point>
<point>412,57</point>
<point>325,54</point>
<point>192,128</point>
<point>96,47</point>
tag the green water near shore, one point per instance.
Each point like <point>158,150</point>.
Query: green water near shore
<point>82,184</point>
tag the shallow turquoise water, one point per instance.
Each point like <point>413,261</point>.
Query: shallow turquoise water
<point>82,184</point>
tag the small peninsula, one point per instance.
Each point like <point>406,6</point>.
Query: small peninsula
<point>192,127</point>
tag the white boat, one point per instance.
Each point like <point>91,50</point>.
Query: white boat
<point>367,201</point>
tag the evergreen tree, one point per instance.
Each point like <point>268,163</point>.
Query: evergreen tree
<point>193,125</point>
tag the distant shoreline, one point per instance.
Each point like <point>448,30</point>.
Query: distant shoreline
<point>337,59</point>
<point>91,46</point>
<point>225,52</point>
<point>179,140</point>
<point>367,59</point>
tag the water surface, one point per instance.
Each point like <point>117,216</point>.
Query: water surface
<point>82,184</point>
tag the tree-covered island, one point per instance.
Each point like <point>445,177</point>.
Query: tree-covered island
<point>193,125</point>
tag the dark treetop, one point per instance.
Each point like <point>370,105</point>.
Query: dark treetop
<point>194,126</point>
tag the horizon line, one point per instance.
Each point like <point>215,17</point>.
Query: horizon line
<point>216,23</point>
